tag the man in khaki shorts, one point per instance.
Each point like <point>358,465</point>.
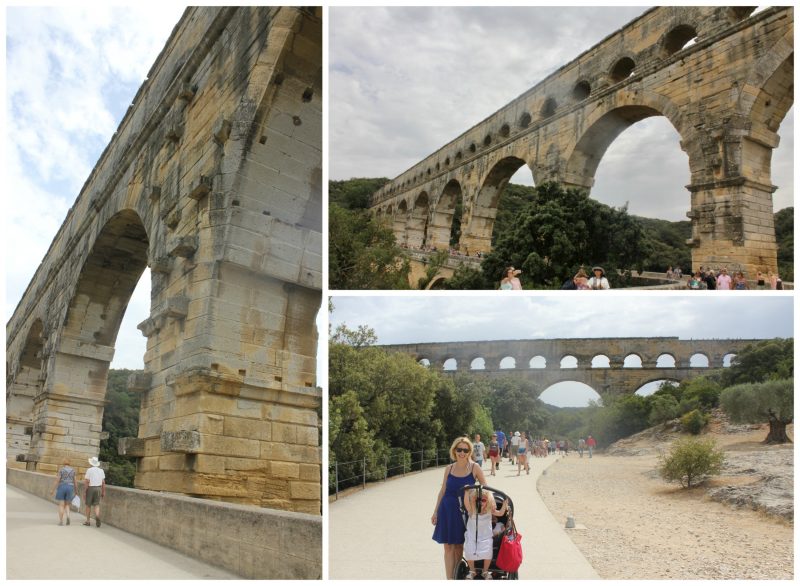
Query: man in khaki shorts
<point>95,482</point>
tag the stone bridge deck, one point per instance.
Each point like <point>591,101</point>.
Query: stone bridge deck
<point>37,548</point>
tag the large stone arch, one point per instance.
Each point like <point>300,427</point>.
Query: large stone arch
<point>444,213</point>
<point>214,180</point>
<point>417,226</point>
<point>23,384</point>
<point>68,423</point>
<point>605,124</point>
<point>477,233</point>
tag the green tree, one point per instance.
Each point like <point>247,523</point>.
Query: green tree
<point>771,401</point>
<point>690,459</point>
<point>515,406</point>
<point>559,232</point>
<point>694,421</point>
<point>761,361</point>
<point>354,194</point>
<point>784,235</point>
<point>435,263</point>
<point>663,408</point>
<point>363,253</point>
<point>702,391</point>
<point>120,419</point>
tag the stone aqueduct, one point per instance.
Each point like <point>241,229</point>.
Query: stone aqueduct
<point>725,94</point>
<point>213,181</point>
<point>528,355</point>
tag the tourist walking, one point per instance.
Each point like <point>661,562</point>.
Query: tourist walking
<point>449,525</point>
<point>64,489</point>
<point>760,281</point>
<point>494,453</point>
<point>478,448</point>
<point>510,281</point>
<point>598,281</point>
<point>739,282</point>
<point>95,482</point>
<point>522,454</point>
<point>581,446</point>
<point>501,440</point>
<point>512,451</point>
<point>591,444</point>
<point>711,280</point>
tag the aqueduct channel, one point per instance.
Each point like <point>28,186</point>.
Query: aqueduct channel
<point>213,180</point>
<point>539,361</point>
<point>722,77</point>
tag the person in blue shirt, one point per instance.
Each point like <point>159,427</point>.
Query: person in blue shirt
<point>501,439</point>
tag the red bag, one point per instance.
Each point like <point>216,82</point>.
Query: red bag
<point>509,558</point>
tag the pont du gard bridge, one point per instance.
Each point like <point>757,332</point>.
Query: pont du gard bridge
<point>722,77</point>
<point>608,365</point>
<point>213,180</point>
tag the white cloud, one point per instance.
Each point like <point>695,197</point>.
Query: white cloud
<point>70,75</point>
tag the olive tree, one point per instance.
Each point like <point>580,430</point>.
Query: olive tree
<point>771,401</point>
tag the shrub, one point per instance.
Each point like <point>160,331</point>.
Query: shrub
<point>662,409</point>
<point>689,459</point>
<point>694,422</point>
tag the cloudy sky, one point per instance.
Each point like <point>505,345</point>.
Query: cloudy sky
<point>449,318</point>
<point>405,81</point>
<point>70,76</point>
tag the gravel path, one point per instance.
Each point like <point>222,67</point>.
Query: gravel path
<point>633,525</point>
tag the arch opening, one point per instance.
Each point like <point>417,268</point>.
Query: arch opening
<point>22,386</point>
<point>727,360</point>
<point>665,361</point>
<point>570,394</point>
<point>601,361</point>
<point>631,141</point>
<point>445,228</point>
<point>537,362</point>
<point>479,233</point>
<point>651,387</point>
<point>581,91</point>
<point>477,364</point>
<point>622,70</point>
<point>699,360</point>
<point>569,361</point>
<point>508,363</point>
<point>678,38</point>
<point>632,361</point>
<point>113,282</point>
<point>417,229</point>
<point>424,362</point>
<point>450,364</point>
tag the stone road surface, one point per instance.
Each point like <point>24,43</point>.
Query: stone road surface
<point>37,548</point>
<point>384,532</point>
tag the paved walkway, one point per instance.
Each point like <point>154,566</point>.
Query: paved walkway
<point>385,531</point>
<point>37,548</point>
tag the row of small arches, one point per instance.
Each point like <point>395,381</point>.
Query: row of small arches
<point>679,37</point>
<point>697,360</point>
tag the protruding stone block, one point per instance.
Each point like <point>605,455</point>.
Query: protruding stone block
<point>222,130</point>
<point>140,382</point>
<point>162,265</point>
<point>177,307</point>
<point>154,193</point>
<point>187,442</point>
<point>185,246</point>
<point>200,187</point>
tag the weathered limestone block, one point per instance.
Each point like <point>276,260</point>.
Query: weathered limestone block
<point>131,446</point>
<point>140,382</point>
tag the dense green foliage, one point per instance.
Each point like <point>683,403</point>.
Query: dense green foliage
<point>666,244</point>
<point>362,253</point>
<point>354,194</point>
<point>690,459</point>
<point>547,232</point>
<point>784,234</point>
<point>561,230</point>
<point>762,361</point>
<point>120,419</point>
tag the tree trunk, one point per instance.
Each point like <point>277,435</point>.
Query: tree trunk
<point>777,431</point>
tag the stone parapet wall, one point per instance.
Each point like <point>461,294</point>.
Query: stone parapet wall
<point>253,542</point>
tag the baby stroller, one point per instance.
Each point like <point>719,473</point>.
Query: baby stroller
<point>462,568</point>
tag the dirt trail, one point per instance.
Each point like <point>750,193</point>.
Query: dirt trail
<point>633,525</point>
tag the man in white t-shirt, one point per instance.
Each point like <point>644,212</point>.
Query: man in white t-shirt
<point>95,482</point>
<point>514,446</point>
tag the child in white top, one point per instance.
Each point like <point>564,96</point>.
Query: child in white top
<point>478,536</point>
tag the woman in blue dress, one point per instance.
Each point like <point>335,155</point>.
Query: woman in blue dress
<point>446,517</point>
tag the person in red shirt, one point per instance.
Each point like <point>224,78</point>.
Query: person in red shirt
<point>591,443</point>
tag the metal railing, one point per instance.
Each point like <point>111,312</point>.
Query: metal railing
<point>399,463</point>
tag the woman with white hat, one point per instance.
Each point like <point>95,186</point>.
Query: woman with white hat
<point>599,280</point>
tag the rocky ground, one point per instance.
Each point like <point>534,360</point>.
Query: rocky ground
<point>633,525</point>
